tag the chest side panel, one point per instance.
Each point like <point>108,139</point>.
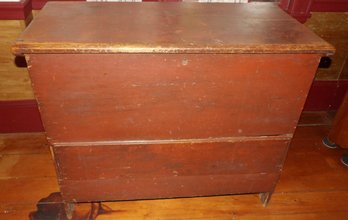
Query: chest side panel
<point>92,97</point>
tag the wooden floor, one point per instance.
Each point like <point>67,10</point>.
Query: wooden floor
<point>314,185</point>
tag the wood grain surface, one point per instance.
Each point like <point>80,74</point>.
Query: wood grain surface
<point>167,28</point>
<point>168,170</point>
<point>169,96</point>
<point>103,162</point>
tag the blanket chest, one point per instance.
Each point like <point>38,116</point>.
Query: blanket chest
<point>163,100</point>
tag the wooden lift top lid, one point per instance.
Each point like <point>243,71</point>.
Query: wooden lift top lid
<point>95,27</point>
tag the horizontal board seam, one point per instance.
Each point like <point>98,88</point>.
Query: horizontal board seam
<point>174,141</point>
<point>154,178</point>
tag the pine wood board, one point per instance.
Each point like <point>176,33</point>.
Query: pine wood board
<point>26,190</point>
<point>300,205</point>
<point>26,165</point>
<point>23,143</point>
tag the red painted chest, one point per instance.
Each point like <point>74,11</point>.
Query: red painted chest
<point>162,100</point>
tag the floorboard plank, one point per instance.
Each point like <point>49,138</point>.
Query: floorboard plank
<point>26,165</point>
<point>23,143</point>
<point>27,190</point>
<point>312,205</point>
<point>298,216</point>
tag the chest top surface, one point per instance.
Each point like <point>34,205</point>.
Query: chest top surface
<point>92,27</point>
